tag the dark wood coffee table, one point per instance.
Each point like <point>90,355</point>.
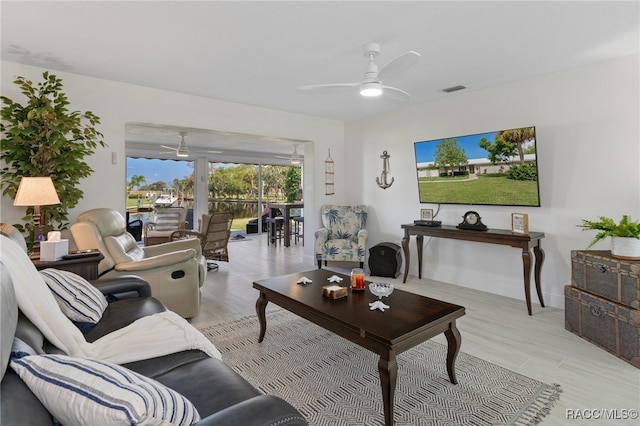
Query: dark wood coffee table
<point>411,320</point>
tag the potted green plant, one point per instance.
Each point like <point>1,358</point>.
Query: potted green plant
<point>43,138</point>
<point>625,235</point>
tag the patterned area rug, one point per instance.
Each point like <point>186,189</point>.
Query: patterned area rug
<point>331,381</point>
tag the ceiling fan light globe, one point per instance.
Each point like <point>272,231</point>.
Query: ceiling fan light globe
<point>371,89</point>
<point>182,153</point>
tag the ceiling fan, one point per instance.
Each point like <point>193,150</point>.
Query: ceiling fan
<point>371,83</point>
<point>182,150</point>
<point>295,158</point>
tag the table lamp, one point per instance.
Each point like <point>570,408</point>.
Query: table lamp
<point>36,192</point>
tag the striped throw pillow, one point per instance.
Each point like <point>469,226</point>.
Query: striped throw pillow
<point>79,391</point>
<point>78,299</point>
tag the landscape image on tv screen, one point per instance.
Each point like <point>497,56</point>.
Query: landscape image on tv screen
<point>493,168</point>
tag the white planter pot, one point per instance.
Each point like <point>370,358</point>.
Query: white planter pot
<point>625,248</point>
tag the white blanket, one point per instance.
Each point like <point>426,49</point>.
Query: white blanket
<point>148,337</point>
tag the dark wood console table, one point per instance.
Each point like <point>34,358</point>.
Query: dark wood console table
<point>493,236</point>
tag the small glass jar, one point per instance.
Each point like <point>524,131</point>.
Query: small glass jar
<point>357,279</point>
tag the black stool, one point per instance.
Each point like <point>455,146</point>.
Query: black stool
<point>298,229</point>
<point>275,229</point>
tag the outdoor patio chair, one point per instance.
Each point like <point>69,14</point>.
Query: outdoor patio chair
<point>214,237</point>
<point>166,221</point>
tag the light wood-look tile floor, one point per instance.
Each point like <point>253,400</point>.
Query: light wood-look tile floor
<point>495,328</point>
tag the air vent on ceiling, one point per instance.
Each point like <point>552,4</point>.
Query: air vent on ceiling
<point>454,89</point>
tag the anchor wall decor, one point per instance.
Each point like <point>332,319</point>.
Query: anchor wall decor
<point>386,171</point>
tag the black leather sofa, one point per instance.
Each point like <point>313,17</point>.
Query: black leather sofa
<point>221,396</point>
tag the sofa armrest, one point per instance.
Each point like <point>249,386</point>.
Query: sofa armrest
<point>158,249</point>
<point>183,234</point>
<point>363,234</point>
<point>123,284</point>
<point>322,234</point>
<point>321,237</point>
<point>167,259</point>
<point>262,410</point>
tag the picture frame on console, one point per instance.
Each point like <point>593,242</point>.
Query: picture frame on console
<point>426,214</point>
<point>520,223</point>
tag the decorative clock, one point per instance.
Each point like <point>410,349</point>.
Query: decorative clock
<point>471,220</point>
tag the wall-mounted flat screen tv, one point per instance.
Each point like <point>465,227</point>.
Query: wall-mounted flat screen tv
<point>494,168</point>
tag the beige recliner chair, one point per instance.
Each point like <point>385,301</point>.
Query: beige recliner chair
<point>175,270</point>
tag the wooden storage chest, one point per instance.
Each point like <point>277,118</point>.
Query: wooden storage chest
<point>601,274</point>
<point>385,260</point>
<point>612,326</point>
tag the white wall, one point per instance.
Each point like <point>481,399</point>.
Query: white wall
<point>588,147</point>
<point>588,140</point>
<point>118,103</point>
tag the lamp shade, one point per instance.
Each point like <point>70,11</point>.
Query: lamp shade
<point>36,191</point>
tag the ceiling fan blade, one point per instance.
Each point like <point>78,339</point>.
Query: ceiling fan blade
<point>205,151</point>
<point>169,147</point>
<point>396,91</point>
<point>329,86</point>
<point>399,64</point>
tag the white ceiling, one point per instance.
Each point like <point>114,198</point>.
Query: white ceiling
<point>257,53</point>
<point>145,140</point>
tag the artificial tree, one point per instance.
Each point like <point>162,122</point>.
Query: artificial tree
<point>43,138</point>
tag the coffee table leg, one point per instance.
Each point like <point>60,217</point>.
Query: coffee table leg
<point>454,341</point>
<point>261,306</point>
<point>388,369</point>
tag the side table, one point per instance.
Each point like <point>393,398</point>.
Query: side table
<point>86,267</point>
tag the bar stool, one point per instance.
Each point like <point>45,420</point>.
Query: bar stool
<point>298,229</point>
<point>275,229</point>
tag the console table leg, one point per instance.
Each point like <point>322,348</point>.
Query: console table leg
<point>539,254</point>
<point>388,369</point>
<point>405,249</point>
<point>419,242</point>
<point>261,306</point>
<point>454,341</point>
<point>526,263</point>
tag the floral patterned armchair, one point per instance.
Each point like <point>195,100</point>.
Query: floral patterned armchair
<point>344,236</point>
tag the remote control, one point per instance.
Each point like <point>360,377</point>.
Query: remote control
<point>80,253</point>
